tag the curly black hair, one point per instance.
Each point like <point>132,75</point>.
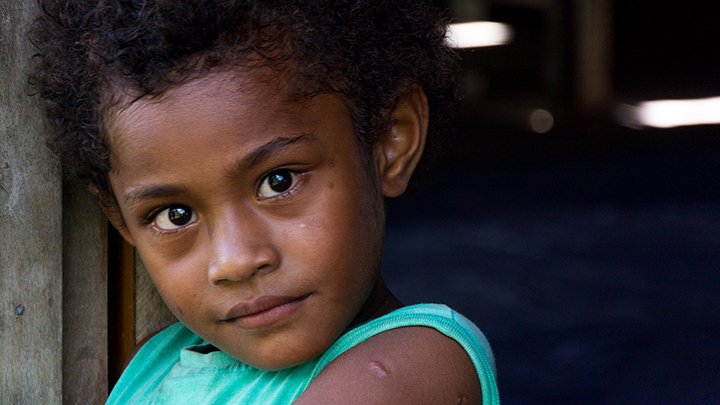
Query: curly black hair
<point>368,51</point>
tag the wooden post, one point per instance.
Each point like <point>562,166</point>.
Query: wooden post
<point>85,295</point>
<point>53,250</point>
<point>593,60</point>
<point>30,230</point>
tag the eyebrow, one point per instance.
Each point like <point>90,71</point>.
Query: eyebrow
<point>138,194</point>
<point>264,151</point>
<point>135,195</point>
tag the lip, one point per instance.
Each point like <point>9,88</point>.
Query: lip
<point>263,311</point>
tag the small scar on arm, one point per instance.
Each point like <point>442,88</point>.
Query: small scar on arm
<point>378,369</point>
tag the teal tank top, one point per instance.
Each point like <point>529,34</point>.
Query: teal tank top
<point>176,366</point>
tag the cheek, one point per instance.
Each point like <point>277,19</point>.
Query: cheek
<point>178,285</point>
<point>338,220</point>
<point>345,230</point>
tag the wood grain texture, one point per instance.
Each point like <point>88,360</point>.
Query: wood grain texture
<point>85,295</point>
<point>30,230</point>
<point>121,304</point>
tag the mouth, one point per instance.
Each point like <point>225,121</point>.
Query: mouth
<point>263,311</point>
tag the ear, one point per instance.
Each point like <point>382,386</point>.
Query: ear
<point>400,149</point>
<point>112,212</point>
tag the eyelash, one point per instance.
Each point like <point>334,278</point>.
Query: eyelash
<point>296,177</point>
<point>149,217</point>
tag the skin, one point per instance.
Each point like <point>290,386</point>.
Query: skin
<point>208,150</point>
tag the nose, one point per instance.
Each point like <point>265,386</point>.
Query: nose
<point>241,247</point>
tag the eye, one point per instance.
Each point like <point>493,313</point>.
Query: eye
<point>174,217</point>
<point>276,183</point>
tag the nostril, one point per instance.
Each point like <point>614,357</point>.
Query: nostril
<point>226,275</point>
<point>238,259</point>
<point>264,266</point>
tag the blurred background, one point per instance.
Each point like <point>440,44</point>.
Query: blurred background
<point>572,215</point>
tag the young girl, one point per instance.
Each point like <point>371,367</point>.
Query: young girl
<point>245,148</point>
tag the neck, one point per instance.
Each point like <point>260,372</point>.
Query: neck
<point>380,302</point>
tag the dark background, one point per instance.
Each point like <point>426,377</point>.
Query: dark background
<point>589,254</point>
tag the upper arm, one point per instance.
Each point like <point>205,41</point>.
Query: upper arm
<point>410,365</point>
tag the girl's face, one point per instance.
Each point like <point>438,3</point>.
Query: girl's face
<point>256,217</point>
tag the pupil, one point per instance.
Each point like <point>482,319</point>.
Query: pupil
<point>280,181</point>
<point>179,216</point>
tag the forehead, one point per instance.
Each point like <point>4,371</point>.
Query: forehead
<point>221,107</point>
<point>226,89</point>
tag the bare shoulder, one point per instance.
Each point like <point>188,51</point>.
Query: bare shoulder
<point>410,365</point>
